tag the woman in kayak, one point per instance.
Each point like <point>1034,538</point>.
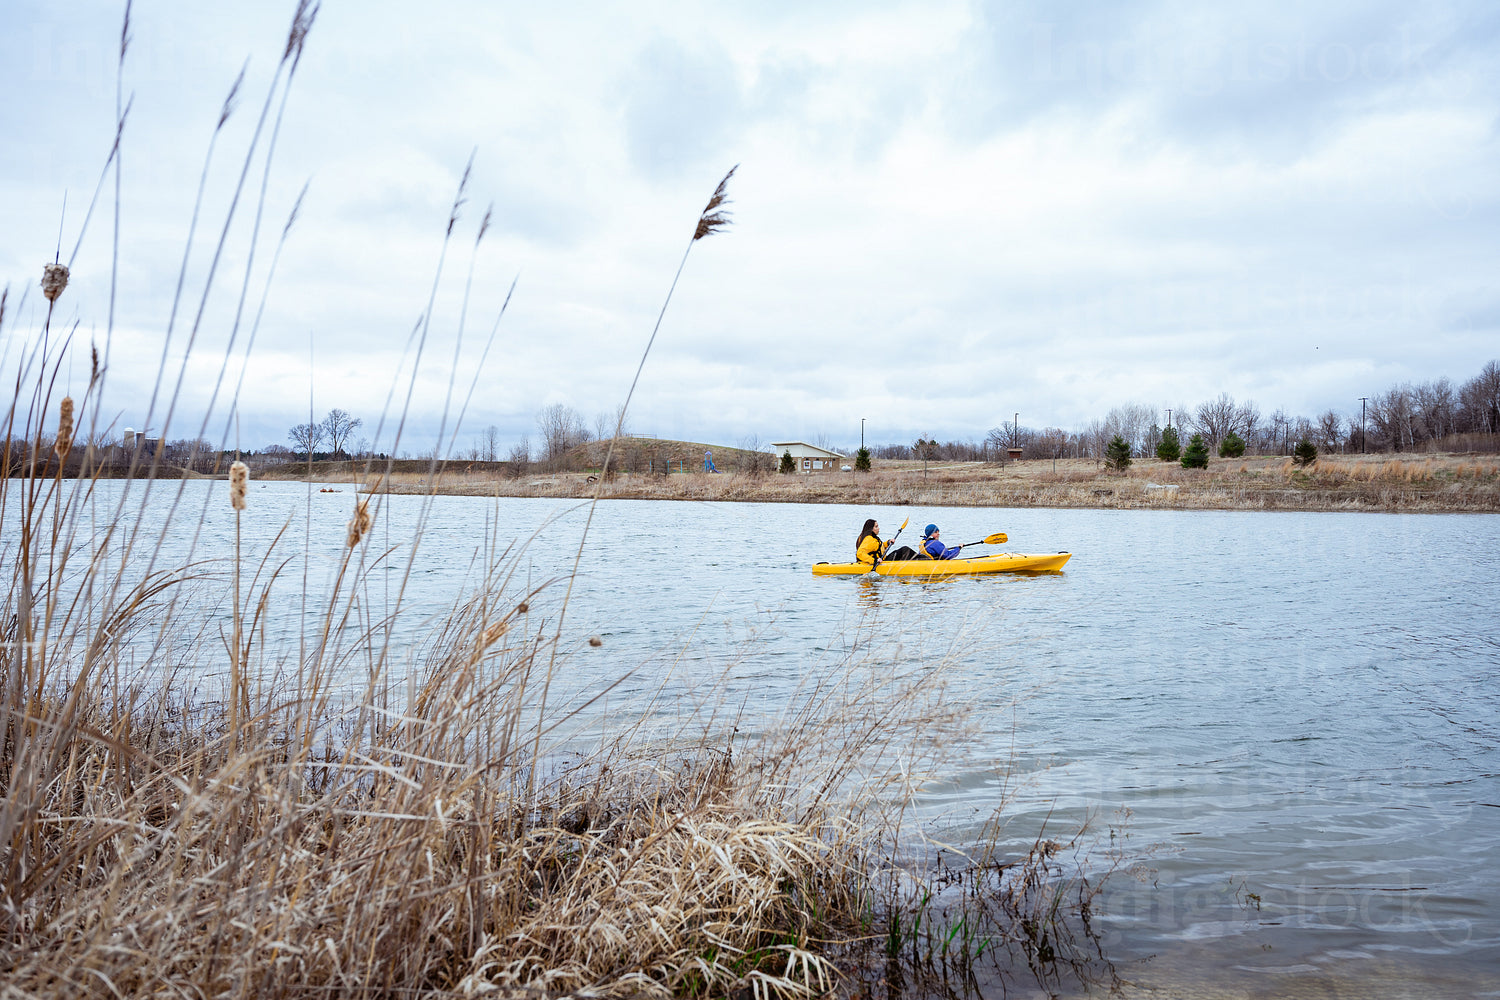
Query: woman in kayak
<point>934,547</point>
<point>869,548</point>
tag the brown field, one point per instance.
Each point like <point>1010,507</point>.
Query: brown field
<point>1437,483</point>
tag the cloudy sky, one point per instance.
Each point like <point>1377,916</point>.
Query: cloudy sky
<point>945,213</point>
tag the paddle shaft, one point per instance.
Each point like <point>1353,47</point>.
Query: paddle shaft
<point>879,556</point>
<point>998,538</point>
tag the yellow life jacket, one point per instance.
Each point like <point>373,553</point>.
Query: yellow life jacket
<point>869,549</point>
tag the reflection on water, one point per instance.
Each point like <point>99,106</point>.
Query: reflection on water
<point>1298,710</point>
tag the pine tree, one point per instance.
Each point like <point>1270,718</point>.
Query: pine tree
<point>1196,455</point>
<point>1231,446</point>
<point>788,463</point>
<point>862,459</point>
<point>1170,449</point>
<point>1117,455</point>
<point>1305,454</point>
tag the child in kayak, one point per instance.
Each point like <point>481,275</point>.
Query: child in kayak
<point>934,547</point>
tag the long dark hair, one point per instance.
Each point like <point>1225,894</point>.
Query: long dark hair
<point>866,532</point>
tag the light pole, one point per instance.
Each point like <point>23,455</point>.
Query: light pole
<point>861,433</point>
<point>1169,416</point>
<point>1362,424</point>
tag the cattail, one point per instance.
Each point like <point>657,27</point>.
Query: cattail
<point>64,443</point>
<point>359,523</point>
<point>54,280</point>
<point>239,481</point>
<point>595,641</point>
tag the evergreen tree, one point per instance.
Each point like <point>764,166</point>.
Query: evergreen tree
<point>1231,446</point>
<point>1305,454</point>
<point>1117,455</point>
<point>788,463</point>
<point>1196,455</point>
<point>1170,449</point>
<point>862,460</point>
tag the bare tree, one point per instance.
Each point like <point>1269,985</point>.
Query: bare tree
<point>1051,442</point>
<point>1280,431</point>
<point>1094,439</point>
<point>1132,422</point>
<point>1480,400</point>
<point>520,458</point>
<point>1391,418</point>
<point>337,428</point>
<point>1215,419</point>
<point>487,444</point>
<point>1436,406</point>
<point>562,430</point>
<point>276,454</point>
<point>1330,430</point>
<point>307,438</point>
<point>1247,422</point>
<point>756,461</point>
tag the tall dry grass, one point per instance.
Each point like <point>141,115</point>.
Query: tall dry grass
<point>192,810</point>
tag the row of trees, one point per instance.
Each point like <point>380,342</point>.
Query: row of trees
<point>334,430</point>
<point>1406,417</point>
<point>1409,417</point>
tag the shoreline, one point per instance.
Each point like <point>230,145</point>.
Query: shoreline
<point>1374,484</point>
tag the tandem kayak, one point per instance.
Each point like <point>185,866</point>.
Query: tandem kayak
<point>1001,562</point>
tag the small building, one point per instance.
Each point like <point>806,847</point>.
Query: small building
<point>809,457</point>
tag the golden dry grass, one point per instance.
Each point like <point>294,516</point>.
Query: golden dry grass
<point>1438,483</point>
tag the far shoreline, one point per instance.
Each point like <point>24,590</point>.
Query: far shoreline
<point>1437,484</point>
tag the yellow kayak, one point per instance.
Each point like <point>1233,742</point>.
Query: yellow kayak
<point>1000,562</point>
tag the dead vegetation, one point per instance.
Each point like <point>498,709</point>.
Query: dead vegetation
<point>1435,484</point>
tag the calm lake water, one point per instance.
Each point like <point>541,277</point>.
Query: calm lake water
<point>1300,712</point>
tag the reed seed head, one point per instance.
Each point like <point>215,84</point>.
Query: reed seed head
<point>54,280</point>
<point>712,219</point>
<point>359,524</point>
<point>64,442</point>
<point>239,482</point>
<point>595,641</point>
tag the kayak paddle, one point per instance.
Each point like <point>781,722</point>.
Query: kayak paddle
<point>998,538</point>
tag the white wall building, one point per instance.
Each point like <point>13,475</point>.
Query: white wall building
<point>809,457</point>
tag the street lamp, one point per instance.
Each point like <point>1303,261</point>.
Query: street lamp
<point>1362,424</point>
<point>861,433</point>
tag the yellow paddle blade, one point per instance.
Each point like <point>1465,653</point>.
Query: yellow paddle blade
<point>998,538</point>
<point>903,525</point>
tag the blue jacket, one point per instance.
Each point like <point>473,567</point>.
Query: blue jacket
<point>938,550</point>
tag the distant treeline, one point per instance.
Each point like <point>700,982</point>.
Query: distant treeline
<point>1429,416</point>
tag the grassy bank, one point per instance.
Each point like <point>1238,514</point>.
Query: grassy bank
<point>1437,483</point>
<point>231,818</point>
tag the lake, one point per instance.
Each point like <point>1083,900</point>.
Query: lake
<point>1299,712</point>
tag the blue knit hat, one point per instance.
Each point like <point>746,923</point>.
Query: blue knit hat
<point>929,531</point>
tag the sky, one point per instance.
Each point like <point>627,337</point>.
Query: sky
<point>944,213</point>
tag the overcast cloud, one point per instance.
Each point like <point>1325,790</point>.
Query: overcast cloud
<point>944,214</point>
